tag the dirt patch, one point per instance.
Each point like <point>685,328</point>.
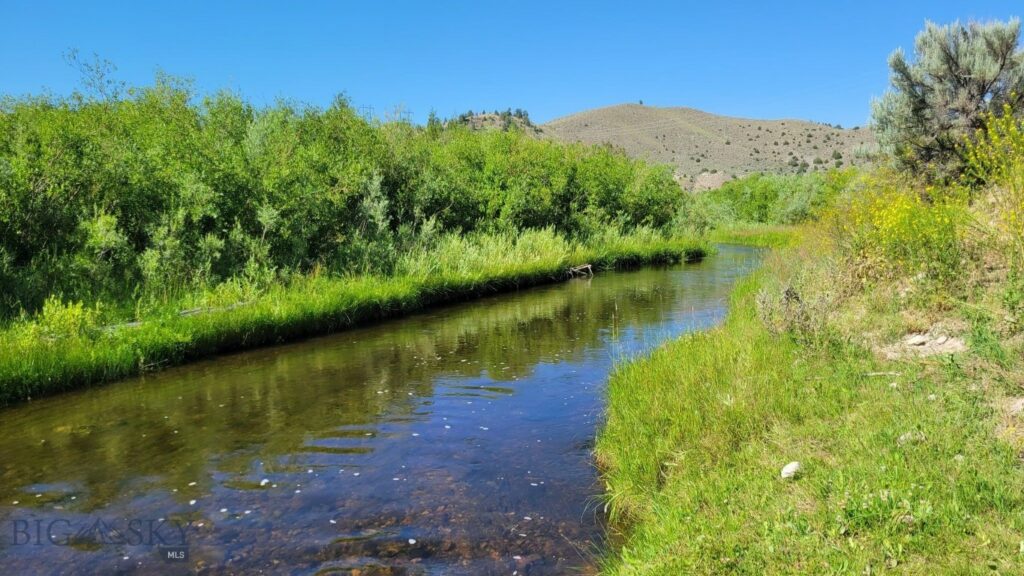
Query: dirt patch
<point>1011,421</point>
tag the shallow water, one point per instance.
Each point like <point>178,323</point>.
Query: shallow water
<point>456,441</point>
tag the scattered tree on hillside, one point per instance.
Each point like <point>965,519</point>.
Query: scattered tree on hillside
<point>506,119</point>
<point>959,73</point>
<point>434,125</point>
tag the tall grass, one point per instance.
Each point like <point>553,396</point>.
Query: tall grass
<point>900,468</point>
<point>760,235</point>
<point>68,345</point>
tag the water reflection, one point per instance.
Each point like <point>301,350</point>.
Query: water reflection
<point>455,441</point>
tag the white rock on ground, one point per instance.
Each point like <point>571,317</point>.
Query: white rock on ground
<point>917,340</point>
<point>790,470</point>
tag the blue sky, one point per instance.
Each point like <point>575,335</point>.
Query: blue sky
<point>820,60</point>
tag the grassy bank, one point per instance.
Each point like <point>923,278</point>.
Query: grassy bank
<point>901,467</point>
<point>882,350</point>
<point>70,345</point>
<point>761,236</point>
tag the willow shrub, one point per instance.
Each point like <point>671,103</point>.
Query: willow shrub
<point>766,199</point>
<point>161,192</point>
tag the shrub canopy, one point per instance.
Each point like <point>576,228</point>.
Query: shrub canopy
<point>159,191</point>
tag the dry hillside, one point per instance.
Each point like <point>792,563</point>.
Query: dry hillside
<point>707,149</point>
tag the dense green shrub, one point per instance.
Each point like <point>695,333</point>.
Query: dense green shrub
<point>159,191</point>
<point>764,199</point>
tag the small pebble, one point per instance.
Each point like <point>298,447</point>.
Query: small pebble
<point>412,540</point>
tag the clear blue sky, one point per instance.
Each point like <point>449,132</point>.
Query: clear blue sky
<point>819,60</point>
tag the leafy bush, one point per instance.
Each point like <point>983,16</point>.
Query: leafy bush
<point>765,199</point>
<point>160,193</point>
<point>995,157</point>
<point>893,228</point>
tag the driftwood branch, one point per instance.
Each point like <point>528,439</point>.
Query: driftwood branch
<point>194,311</point>
<point>581,270</point>
<point>182,313</point>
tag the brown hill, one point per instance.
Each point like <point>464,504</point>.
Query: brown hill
<point>707,149</point>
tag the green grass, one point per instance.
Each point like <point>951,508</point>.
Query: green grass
<point>760,235</point>
<point>69,346</point>
<point>901,473</point>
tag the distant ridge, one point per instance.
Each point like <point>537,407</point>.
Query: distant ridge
<point>707,149</point>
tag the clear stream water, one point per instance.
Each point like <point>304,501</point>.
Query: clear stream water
<point>456,441</point>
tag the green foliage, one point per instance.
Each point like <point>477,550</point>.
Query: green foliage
<point>68,345</point>
<point>1013,296</point>
<point>960,73</point>
<point>764,199</point>
<point>146,194</point>
<point>995,157</point>
<point>896,231</point>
